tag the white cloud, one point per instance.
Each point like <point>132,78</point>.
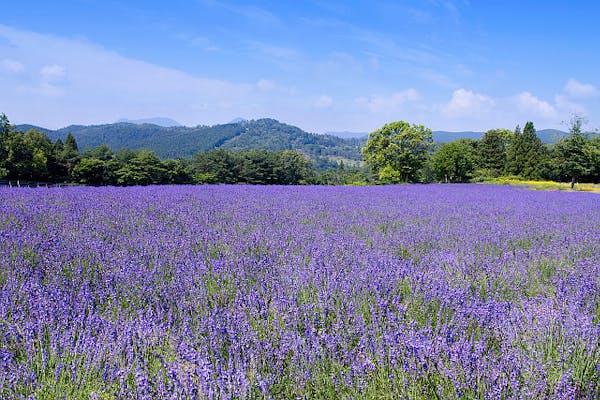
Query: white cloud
<point>564,103</point>
<point>53,72</point>
<point>11,66</point>
<point>49,90</point>
<point>386,103</point>
<point>577,89</point>
<point>467,103</point>
<point>527,102</point>
<point>324,102</point>
<point>105,86</point>
<point>265,85</point>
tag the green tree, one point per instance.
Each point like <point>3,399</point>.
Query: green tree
<point>594,146</point>
<point>258,167</point>
<point>397,151</point>
<point>453,162</point>
<point>27,155</point>
<point>526,155</point>
<point>291,168</point>
<point>143,169</point>
<point>5,130</point>
<point>57,170</point>
<point>90,171</point>
<point>574,157</point>
<point>216,166</point>
<point>176,171</point>
<point>102,152</point>
<point>491,152</point>
<point>70,155</point>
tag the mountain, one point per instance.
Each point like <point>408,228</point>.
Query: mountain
<point>347,134</point>
<point>551,135</point>
<point>164,122</point>
<point>237,120</point>
<point>445,136</point>
<point>180,141</point>
<point>27,127</point>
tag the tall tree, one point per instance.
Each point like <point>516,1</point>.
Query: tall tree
<point>526,155</point>
<point>491,151</point>
<point>5,129</point>
<point>70,155</point>
<point>574,157</point>
<point>397,151</point>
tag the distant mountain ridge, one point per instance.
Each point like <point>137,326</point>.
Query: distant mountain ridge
<point>181,141</point>
<point>160,121</point>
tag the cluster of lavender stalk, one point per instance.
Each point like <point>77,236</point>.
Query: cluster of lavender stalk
<point>246,292</point>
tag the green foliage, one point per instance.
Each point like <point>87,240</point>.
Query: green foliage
<point>491,151</point>
<point>265,134</point>
<point>397,151</point>
<point>101,152</point>
<point>176,171</point>
<point>575,157</point>
<point>454,161</point>
<point>252,166</point>
<point>259,152</point>
<point>216,166</point>
<point>526,156</point>
<point>344,176</point>
<point>26,155</point>
<point>143,169</point>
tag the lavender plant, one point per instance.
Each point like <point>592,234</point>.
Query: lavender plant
<point>242,292</point>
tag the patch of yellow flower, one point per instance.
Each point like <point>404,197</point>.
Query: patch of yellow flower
<point>546,185</point>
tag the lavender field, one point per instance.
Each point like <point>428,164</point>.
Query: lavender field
<point>244,292</point>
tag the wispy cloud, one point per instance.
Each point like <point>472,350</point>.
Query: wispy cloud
<point>53,72</point>
<point>102,85</point>
<point>11,66</point>
<point>200,42</point>
<point>324,102</point>
<point>265,84</point>
<point>279,52</point>
<point>577,89</point>
<point>389,103</point>
<point>252,13</point>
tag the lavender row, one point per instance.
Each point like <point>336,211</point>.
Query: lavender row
<point>240,292</point>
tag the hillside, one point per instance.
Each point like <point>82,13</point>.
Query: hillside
<point>180,141</point>
<point>160,121</point>
<point>268,134</point>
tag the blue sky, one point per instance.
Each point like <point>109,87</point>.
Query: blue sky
<point>321,65</point>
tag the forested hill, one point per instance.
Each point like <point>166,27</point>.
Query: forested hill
<point>179,141</point>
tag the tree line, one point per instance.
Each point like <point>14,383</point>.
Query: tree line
<point>397,152</point>
<point>401,152</point>
<point>33,156</point>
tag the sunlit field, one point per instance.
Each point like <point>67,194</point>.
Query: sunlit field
<point>247,292</point>
<point>547,185</point>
